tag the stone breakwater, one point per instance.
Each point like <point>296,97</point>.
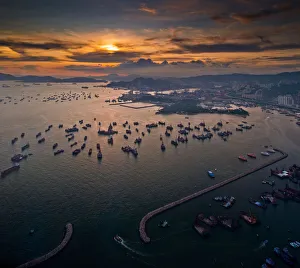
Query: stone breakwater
<point>53,252</point>
<point>142,229</point>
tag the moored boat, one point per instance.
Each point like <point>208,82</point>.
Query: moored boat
<point>90,151</point>
<point>54,146</point>
<point>162,147</point>
<point>248,217</point>
<point>251,155</point>
<point>265,153</point>
<point>242,158</point>
<point>76,152</point>
<point>201,230</point>
<point>26,146</point>
<point>58,152</point>
<point>257,203</point>
<point>211,174</point>
<point>208,221</point>
<point>99,155</point>
<point>9,170</point>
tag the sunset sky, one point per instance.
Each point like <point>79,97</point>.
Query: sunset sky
<point>153,38</point>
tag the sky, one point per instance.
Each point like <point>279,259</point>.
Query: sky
<point>175,38</point>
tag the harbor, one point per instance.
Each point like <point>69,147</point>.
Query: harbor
<point>142,228</point>
<point>102,200</point>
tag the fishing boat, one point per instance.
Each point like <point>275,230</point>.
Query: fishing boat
<point>257,203</point>
<point>271,151</point>
<point>85,138</point>
<point>14,140</point>
<point>248,217</point>
<point>211,174</point>
<point>98,146</point>
<point>208,221</point>
<point>174,142</point>
<point>227,222</point>
<point>251,155</point>
<point>295,244</point>
<point>76,152</point>
<point>54,146</point>
<point>99,155</point>
<point>242,158</point>
<point>82,146</point>
<point>265,153</point>
<point>38,135</point>
<point>125,137</point>
<point>90,151</point>
<point>268,198</point>
<point>271,183</point>
<point>283,256</point>
<point>58,152</point>
<point>286,251</point>
<point>167,134</point>
<point>118,239</point>
<point>164,224</point>
<point>163,147</point>
<point>229,201</point>
<point>73,144</point>
<point>270,262</point>
<point>24,147</point>
<point>201,230</point>
<point>9,170</point>
<point>110,140</point>
<point>22,135</point>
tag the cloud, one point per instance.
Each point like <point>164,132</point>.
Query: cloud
<point>30,67</point>
<point>232,47</point>
<point>29,58</point>
<point>145,8</point>
<point>283,58</point>
<point>56,44</point>
<point>222,18</point>
<point>263,13</point>
<point>104,56</point>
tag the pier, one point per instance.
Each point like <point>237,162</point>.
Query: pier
<point>64,242</point>
<point>142,229</point>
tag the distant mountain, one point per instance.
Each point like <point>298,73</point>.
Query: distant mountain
<point>143,83</point>
<point>48,79</point>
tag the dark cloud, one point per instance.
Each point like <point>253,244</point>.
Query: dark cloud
<point>283,58</point>
<point>263,13</point>
<point>55,44</point>
<point>30,67</point>
<point>231,47</point>
<point>222,18</point>
<point>28,58</point>
<point>104,56</point>
<point>179,40</point>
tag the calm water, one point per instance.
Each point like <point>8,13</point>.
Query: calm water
<point>110,197</point>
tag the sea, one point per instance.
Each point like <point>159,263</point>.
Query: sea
<point>109,197</point>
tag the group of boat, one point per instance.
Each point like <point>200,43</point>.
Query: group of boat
<point>227,201</point>
<point>285,256</point>
<point>128,149</point>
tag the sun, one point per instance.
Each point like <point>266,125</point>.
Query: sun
<point>110,47</point>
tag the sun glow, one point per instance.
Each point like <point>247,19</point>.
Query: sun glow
<point>110,47</point>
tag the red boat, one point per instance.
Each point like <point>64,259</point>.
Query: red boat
<point>243,158</point>
<point>249,218</point>
<point>251,155</point>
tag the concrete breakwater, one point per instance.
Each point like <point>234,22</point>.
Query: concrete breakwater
<point>64,242</point>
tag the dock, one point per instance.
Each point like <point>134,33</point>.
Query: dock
<point>53,252</point>
<point>142,228</point>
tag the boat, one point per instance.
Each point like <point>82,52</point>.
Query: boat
<point>60,126</point>
<point>9,170</point>
<point>138,140</point>
<point>149,130</point>
<point>82,146</point>
<point>201,230</point>
<point>227,222</point>
<point>22,135</point>
<point>265,153</point>
<point>128,131</point>
<point>17,158</point>
<point>164,224</point>
<point>283,256</point>
<point>248,217</point>
<point>14,140</point>
<point>272,183</point>
<point>163,147</point>
<point>211,174</point>
<point>268,198</point>
<point>208,221</point>
<point>125,137</point>
<point>220,198</point>
<point>90,151</point>
<point>54,146</point>
<point>118,239</point>
<point>24,147</point>
<point>98,146</point>
<point>175,143</point>
<point>71,138</point>
<point>286,251</point>
<point>257,203</point>
<point>295,244</point>
<point>84,127</point>
<point>58,152</point>
<point>76,152</point>
<point>271,151</point>
<point>251,155</point>
<point>229,201</point>
<point>167,134</point>
<point>85,138</point>
<point>73,144</point>
<point>38,135</point>
<point>99,155</point>
<point>242,158</point>
<point>110,140</point>
<point>143,133</point>
<point>270,262</point>
<point>239,129</point>
<point>135,123</point>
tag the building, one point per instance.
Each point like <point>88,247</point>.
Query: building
<point>286,100</point>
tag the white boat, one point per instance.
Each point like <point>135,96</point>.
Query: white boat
<point>164,224</point>
<point>265,153</point>
<point>271,151</point>
<point>118,239</point>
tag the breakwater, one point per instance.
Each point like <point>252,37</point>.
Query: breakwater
<point>64,242</point>
<point>142,228</point>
